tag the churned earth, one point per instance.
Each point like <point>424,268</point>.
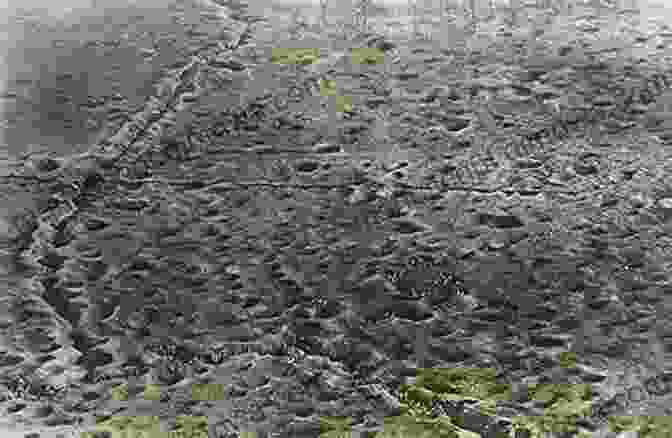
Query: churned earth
<point>71,77</point>
<point>484,209</point>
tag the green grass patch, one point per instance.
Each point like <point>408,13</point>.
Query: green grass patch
<point>416,399</point>
<point>127,426</point>
<point>290,56</point>
<point>152,392</point>
<point>120,392</point>
<point>647,426</point>
<point>367,55</point>
<point>568,359</point>
<point>199,392</point>
<point>328,89</point>
<point>564,405</point>
<point>190,426</point>
<point>343,104</point>
<point>406,426</point>
<point>207,392</point>
<point>335,427</point>
<point>123,426</point>
<point>455,384</point>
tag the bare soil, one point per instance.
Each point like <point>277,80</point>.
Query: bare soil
<point>311,267</point>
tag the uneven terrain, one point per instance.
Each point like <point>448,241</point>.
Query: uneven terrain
<point>478,206</point>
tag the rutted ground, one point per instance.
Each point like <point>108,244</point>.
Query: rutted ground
<point>323,271</point>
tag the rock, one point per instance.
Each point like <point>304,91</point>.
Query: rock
<point>550,340</point>
<point>408,225</point>
<point>307,166</point>
<point>499,220</point>
<point>327,148</point>
<point>406,75</point>
<point>133,204</point>
<point>591,374</point>
<point>147,52</point>
<point>381,43</point>
<point>94,223</point>
<point>454,123</point>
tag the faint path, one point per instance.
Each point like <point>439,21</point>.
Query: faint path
<point>95,66</point>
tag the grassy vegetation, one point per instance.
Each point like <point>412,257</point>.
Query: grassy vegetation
<point>187,426</point>
<point>563,404</point>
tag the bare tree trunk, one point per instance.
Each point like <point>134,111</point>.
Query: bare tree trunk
<point>323,12</point>
<point>364,11</point>
<point>532,39</point>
